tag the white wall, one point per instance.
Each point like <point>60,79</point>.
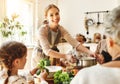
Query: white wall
<point>72,14</point>
<point>41,6</point>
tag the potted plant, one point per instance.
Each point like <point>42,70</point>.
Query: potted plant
<point>11,28</point>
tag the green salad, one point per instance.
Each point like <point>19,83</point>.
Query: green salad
<point>62,77</point>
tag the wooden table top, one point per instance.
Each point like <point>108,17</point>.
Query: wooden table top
<point>75,70</point>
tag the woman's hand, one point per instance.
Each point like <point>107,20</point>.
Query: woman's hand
<point>92,54</point>
<point>71,58</point>
<point>100,58</point>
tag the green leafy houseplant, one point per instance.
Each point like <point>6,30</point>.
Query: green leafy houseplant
<point>11,27</point>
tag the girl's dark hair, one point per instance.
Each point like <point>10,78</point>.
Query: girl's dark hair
<point>13,50</point>
<point>2,60</point>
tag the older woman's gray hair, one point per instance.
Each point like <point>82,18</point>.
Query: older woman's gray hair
<point>112,24</point>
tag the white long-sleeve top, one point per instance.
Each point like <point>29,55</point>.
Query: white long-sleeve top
<point>15,79</point>
<point>97,75</point>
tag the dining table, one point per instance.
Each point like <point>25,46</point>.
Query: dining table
<point>75,69</point>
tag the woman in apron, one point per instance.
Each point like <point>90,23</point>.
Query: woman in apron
<point>50,34</point>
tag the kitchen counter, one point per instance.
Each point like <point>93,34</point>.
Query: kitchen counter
<point>92,46</point>
<point>66,47</point>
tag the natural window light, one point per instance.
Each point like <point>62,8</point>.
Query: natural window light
<point>25,11</point>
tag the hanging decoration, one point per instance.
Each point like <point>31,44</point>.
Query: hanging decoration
<point>86,25</point>
<point>89,21</point>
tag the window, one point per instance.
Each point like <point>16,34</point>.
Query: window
<point>24,9</point>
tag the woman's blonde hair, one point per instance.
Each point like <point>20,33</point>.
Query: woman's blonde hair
<point>49,7</point>
<point>112,24</point>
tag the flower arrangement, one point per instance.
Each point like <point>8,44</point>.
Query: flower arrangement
<point>11,27</point>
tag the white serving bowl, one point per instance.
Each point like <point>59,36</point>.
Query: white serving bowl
<point>52,70</point>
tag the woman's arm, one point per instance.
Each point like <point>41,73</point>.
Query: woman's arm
<point>82,48</point>
<point>74,42</point>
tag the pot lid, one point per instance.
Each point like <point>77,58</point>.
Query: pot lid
<point>87,58</point>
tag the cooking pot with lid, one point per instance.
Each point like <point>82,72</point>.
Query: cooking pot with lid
<point>87,61</point>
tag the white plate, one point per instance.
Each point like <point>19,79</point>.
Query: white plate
<point>54,68</point>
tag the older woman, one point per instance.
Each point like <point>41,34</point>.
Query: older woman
<point>107,73</point>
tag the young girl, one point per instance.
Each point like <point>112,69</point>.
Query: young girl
<point>50,35</point>
<point>12,58</point>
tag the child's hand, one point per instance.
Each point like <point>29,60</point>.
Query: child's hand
<point>34,70</point>
<point>43,75</point>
